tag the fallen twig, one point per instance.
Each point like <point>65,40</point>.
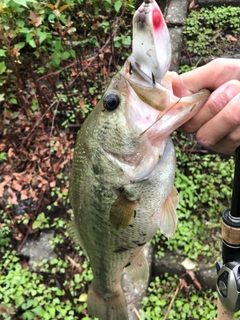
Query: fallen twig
<point>171,303</point>
<point>137,313</point>
<point>23,242</point>
<point>37,122</point>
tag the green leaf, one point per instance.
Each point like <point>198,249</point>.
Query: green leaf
<point>27,304</point>
<point>42,37</point>
<point>28,315</point>
<point>65,55</point>
<point>20,23</point>
<point>29,36</point>
<point>194,298</point>
<point>39,311</point>
<point>118,5</point>
<point>51,17</point>
<point>126,40</point>
<point>83,297</point>
<point>32,43</point>
<point>13,100</point>
<point>2,53</point>
<point>2,67</point>
<point>36,224</point>
<point>24,3</point>
<point>41,216</point>
<point>2,97</point>
<point>107,6</point>
<point>20,45</point>
<point>2,6</point>
<point>24,30</point>
<point>34,106</point>
<point>39,221</point>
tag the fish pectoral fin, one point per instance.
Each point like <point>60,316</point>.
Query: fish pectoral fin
<point>168,218</point>
<point>107,308</point>
<point>138,270</point>
<point>122,212</point>
<point>75,236</point>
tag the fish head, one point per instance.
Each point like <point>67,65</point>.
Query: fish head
<point>122,117</point>
<point>139,110</point>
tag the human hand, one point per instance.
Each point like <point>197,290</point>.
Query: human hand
<point>217,124</point>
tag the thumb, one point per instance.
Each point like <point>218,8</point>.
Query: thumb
<point>191,82</point>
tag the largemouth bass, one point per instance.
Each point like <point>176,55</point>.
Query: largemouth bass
<point>121,187</point>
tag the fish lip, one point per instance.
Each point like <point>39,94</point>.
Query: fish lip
<point>135,67</point>
<point>154,94</point>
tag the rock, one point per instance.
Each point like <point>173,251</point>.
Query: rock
<point>176,40</point>
<point>175,17</point>
<point>38,250</point>
<point>171,263</point>
<point>207,277</point>
<point>176,12</point>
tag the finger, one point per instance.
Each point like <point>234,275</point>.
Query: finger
<point>215,103</point>
<point>209,76</point>
<point>222,125</point>
<point>228,144</point>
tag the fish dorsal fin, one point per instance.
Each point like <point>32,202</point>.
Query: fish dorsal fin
<point>168,218</point>
<point>75,236</point>
<point>138,270</point>
<point>122,212</point>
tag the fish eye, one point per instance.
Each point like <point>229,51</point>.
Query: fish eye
<point>111,101</point>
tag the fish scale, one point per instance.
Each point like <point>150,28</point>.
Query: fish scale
<point>121,186</point>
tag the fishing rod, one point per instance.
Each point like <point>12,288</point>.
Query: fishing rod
<point>228,272</point>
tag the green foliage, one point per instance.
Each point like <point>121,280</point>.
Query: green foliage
<point>194,304</point>
<point>23,292</point>
<point>197,305</point>
<point>51,39</point>
<point>41,291</point>
<point>203,28</point>
<point>28,27</point>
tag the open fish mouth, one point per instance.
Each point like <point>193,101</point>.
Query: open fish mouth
<point>150,58</point>
<point>156,95</point>
<point>146,70</point>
